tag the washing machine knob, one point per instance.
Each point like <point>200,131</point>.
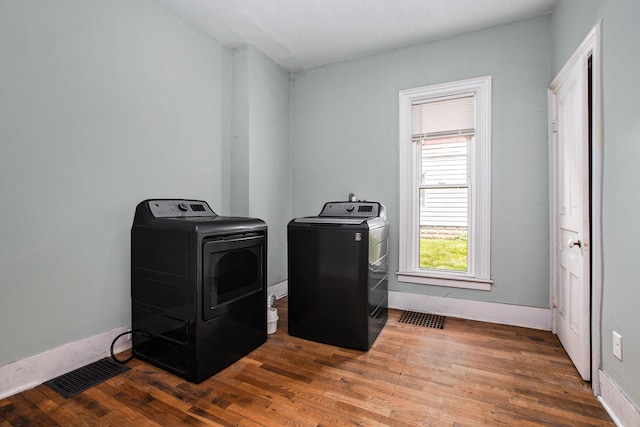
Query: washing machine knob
<point>183,207</point>
<point>350,208</point>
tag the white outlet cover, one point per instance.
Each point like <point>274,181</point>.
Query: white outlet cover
<point>617,345</point>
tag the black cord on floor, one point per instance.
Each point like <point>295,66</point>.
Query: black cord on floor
<point>113,356</point>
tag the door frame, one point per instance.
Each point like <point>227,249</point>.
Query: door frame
<point>590,46</point>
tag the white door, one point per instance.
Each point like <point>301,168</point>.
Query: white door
<point>570,159</point>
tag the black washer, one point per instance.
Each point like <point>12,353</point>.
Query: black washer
<point>338,281</point>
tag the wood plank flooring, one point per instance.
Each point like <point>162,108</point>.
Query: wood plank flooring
<point>468,374</point>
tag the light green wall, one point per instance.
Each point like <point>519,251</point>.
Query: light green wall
<point>104,104</point>
<point>260,184</point>
<point>572,20</point>
<point>345,139</point>
<point>240,132</point>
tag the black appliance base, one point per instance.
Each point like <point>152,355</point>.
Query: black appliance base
<point>219,343</point>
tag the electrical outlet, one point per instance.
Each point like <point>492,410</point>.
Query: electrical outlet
<point>617,345</point>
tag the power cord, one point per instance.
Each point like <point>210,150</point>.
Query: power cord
<point>147,334</point>
<point>113,343</point>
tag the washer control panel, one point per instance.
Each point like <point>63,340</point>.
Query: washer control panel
<point>351,209</point>
<point>165,208</point>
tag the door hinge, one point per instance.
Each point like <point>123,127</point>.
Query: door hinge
<point>554,127</point>
<point>554,302</point>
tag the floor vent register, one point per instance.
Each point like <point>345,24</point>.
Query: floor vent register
<point>423,319</point>
<point>81,379</point>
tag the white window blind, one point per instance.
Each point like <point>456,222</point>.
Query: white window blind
<point>442,117</point>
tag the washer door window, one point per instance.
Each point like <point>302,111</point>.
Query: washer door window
<point>233,273</point>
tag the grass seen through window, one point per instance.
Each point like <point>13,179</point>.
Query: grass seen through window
<point>444,254</point>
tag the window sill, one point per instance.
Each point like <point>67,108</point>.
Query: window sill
<point>448,281</point>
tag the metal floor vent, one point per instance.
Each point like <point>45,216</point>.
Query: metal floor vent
<point>423,319</point>
<point>81,379</point>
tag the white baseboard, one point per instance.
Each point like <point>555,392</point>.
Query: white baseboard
<point>622,411</point>
<point>32,371</point>
<point>506,314</point>
<point>279,289</point>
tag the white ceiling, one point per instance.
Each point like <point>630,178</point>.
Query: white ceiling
<point>302,34</point>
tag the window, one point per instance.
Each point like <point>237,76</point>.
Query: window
<point>445,184</point>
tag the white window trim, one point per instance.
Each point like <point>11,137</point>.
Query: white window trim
<point>478,275</point>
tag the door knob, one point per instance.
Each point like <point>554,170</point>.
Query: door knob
<point>573,243</point>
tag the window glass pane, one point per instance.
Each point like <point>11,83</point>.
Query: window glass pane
<point>444,160</point>
<point>444,228</point>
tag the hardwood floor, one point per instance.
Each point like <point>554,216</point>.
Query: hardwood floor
<point>469,374</point>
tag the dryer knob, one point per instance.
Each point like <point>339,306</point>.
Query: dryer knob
<point>183,207</point>
<point>350,208</point>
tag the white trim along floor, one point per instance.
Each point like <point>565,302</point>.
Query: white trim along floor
<point>506,314</point>
<point>32,371</point>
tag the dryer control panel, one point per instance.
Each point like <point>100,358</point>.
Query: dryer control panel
<point>175,208</point>
<point>351,209</point>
